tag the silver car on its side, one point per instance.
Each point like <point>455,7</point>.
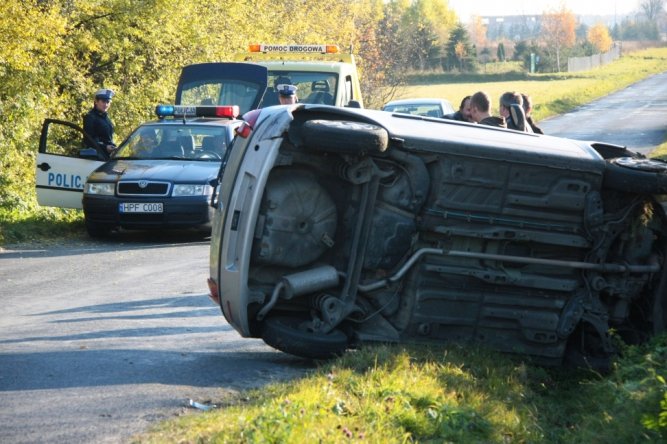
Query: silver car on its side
<point>335,227</point>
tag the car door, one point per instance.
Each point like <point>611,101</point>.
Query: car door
<point>222,83</point>
<point>63,163</point>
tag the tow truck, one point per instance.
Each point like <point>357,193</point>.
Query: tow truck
<point>321,73</point>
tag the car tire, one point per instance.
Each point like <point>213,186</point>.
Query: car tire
<point>636,175</point>
<point>344,136</point>
<point>286,334</point>
<point>97,231</point>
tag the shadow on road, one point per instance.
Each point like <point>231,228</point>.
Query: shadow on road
<point>98,368</point>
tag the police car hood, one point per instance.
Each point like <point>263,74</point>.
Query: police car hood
<point>177,171</point>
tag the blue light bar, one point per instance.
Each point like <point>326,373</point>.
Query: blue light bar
<point>163,111</point>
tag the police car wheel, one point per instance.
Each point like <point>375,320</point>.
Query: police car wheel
<point>344,136</point>
<point>98,230</point>
<point>636,175</point>
<point>287,334</point>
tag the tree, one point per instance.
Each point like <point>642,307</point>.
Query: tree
<point>459,51</point>
<point>428,23</point>
<point>500,53</point>
<point>598,36</point>
<point>558,31</point>
<point>652,8</point>
<point>477,31</point>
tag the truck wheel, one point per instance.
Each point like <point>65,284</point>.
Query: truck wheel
<point>287,334</point>
<point>98,230</point>
<point>345,137</point>
<point>644,176</point>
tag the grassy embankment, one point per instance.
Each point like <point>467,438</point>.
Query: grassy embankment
<point>443,394</point>
<point>552,94</point>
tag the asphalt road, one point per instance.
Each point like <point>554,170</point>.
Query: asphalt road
<point>100,340</point>
<point>635,117</point>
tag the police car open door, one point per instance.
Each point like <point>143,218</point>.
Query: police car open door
<point>63,163</point>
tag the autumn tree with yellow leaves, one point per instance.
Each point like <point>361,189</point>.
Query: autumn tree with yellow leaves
<point>558,31</point>
<point>598,36</point>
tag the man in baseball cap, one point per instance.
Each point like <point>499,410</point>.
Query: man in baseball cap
<point>287,94</point>
<point>97,124</point>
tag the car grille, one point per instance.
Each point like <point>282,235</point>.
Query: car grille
<point>143,188</point>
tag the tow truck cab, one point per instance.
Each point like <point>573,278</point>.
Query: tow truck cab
<point>321,73</point>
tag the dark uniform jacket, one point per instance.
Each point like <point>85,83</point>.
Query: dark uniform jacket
<point>494,121</point>
<point>98,126</point>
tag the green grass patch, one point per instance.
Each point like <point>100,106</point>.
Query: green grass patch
<point>386,394</point>
<point>39,225</point>
<point>552,93</point>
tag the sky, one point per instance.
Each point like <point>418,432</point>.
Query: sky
<point>465,8</point>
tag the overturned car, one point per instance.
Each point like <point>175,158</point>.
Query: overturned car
<point>336,227</point>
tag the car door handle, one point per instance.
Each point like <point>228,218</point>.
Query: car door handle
<point>44,166</point>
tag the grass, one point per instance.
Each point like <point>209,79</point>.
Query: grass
<point>40,225</point>
<point>386,394</point>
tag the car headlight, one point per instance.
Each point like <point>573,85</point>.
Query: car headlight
<point>103,189</point>
<point>190,190</point>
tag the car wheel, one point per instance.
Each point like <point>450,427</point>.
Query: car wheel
<point>290,335</point>
<point>635,175</point>
<point>344,136</point>
<point>98,230</point>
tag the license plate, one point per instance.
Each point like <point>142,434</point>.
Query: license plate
<point>155,207</point>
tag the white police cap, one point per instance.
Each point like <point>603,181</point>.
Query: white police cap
<point>286,90</point>
<point>106,94</point>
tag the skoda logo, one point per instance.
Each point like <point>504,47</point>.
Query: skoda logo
<point>143,183</point>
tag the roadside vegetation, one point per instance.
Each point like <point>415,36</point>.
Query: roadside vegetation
<point>386,394</point>
<point>551,93</point>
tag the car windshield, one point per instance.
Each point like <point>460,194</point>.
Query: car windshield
<point>196,142</point>
<point>312,87</point>
<point>420,109</point>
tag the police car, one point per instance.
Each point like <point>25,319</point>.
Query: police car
<point>321,73</point>
<point>158,178</point>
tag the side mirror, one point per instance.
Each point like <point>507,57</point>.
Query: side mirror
<point>353,104</point>
<point>214,196</point>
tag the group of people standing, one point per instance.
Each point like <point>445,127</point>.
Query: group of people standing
<point>514,109</point>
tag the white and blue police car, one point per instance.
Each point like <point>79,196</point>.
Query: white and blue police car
<point>160,176</point>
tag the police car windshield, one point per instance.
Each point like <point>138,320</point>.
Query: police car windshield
<point>312,87</point>
<point>171,141</point>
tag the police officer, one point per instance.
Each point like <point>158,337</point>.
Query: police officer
<point>96,122</point>
<point>287,94</point>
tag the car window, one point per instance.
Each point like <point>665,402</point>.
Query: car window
<point>203,142</point>
<point>220,92</point>
<point>427,110</point>
<point>312,87</point>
